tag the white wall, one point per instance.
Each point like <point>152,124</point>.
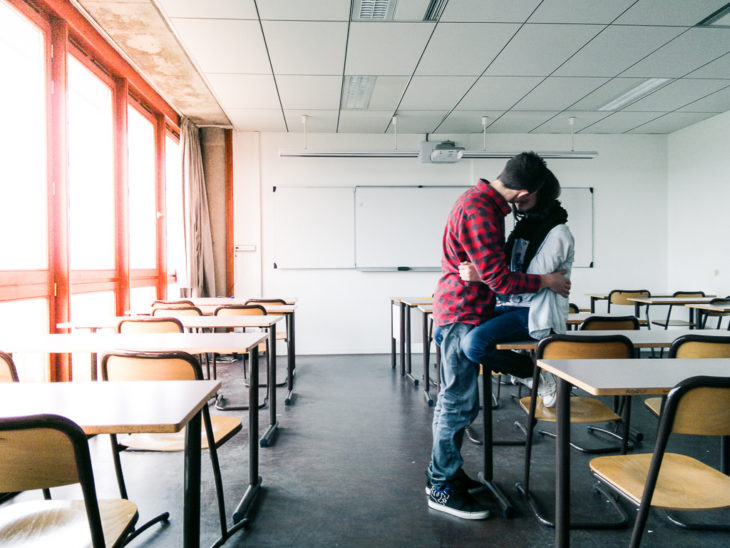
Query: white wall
<point>346,311</point>
<point>699,194</point>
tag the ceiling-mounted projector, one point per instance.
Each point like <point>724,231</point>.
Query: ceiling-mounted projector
<point>444,152</point>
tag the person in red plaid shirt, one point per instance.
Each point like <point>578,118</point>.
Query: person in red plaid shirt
<point>475,233</point>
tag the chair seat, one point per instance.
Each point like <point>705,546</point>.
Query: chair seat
<point>654,405</point>
<point>62,522</point>
<point>581,410</point>
<point>223,428</point>
<point>673,323</point>
<point>684,483</point>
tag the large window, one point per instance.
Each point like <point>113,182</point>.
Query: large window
<point>142,204</point>
<point>174,208</point>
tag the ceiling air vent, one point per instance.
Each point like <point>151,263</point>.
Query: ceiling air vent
<point>434,10</point>
<point>373,10</point>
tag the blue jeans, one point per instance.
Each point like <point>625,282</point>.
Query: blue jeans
<point>457,404</point>
<point>509,323</point>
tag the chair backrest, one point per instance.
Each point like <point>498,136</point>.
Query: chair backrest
<point>173,311</point>
<point>8,373</point>
<point>688,294</point>
<point>570,347</point>
<point>718,301</point>
<point>152,324</point>
<point>604,323</point>
<point>180,302</point>
<point>700,346</point>
<point>699,406</point>
<point>240,310</point>
<point>265,301</point>
<point>621,296</point>
<point>573,308</point>
<point>150,366</point>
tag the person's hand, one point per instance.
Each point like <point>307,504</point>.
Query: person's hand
<point>468,272</point>
<point>556,282</point>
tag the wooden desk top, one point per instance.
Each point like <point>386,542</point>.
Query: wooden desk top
<point>670,300</point>
<point>580,317</point>
<point>711,307</point>
<point>641,338</point>
<point>415,301</point>
<point>209,309</point>
<point>626,377</point>
<point>105,407</point>
<point>193,343</point>
<point>110,322</point>
<point>426,308</point>
<point>218,301</point>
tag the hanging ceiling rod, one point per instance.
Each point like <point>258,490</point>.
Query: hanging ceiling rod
<point>562,155</point>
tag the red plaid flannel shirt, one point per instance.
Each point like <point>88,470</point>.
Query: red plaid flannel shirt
<point>475,232</point>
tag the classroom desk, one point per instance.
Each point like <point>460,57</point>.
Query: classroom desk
<point>103,408</point>
<point>640,338</point>
<point>426,310</point>
<point>405,304</point>
<point>604,297</point>
<point>192,343</point>
<point>701,308</point>
<point>613,377</point>
<point>670,300</point>
<point>578,318</point>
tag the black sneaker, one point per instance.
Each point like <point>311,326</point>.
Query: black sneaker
<point>460,480</point>
<point>456,502</point>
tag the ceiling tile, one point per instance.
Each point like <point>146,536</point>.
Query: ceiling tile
<point>309,92</point>
<point>719,68</point>
<point>435,92</point>
<point>219,45</point>
<point>415,121</point>
<point>498,92</point>
<point>364,121</point>
<point>677,94</point>
<point>296,10</point>
<point>560,123</point>
<point>256,120</point>
<point>687,52</point>
<point>558,93</point>
<point>245,91</point>
<point>306,47</point>
<point>671,122</point>
<point>579,11</point>
<point>616,49</point>
<point>464,48</point>
<point>717,102</point>
<point>489,11</point>
<point>387,92</point>
<point>669,12</point>
<point>620,122</point>
<point>467,121</point>
<point>519,122</point>
<point>318,121</point>
<point>386,48</point>
<point>210,9</point>
<point>410,10</point>
<point>537,50</point>
<point>606,93</point>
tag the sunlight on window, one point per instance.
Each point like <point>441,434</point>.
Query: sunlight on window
<point>141,298</point>
<point>174,212</point>
<point>90,169</point>
<point>142,203</point>
<point>23,318</point>
<point>23,218</point>
<point>99,304</point>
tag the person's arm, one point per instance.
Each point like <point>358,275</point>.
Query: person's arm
<point>555,281</point>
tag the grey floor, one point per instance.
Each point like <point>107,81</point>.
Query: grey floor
<point>347,469</point>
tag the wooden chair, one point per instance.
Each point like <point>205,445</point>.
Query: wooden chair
<point>622,296</point>
<point>179,302</point>
<point>8,373</point>
<point>159,366</point>
<point>696,406</point>
<point>176,310</point>
<point>44,451</point>
<point>582,410</point>
<point>716,314</point>
<point>573,308</point>
<point>608,323</point>
<point>150,324</point>
<point>678,323</point>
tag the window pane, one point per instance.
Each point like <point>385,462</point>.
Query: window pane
<point>141,298</point>
<point>89,305</point>
<point>24,318</point>
<point>174,212</point>
<point>23,210</point>
<point>142,203</point>
<point>90,169</point>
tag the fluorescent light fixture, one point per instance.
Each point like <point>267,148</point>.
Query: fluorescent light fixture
<point>434,10</point>
<point>357,92</point>
<point>635,94</point>
<point>562,155</point>
<point>373,10</point>
<point>720,18</point>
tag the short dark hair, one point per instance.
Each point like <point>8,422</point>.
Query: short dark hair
<point>526,171</point>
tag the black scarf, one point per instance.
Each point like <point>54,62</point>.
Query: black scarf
<point>533,227</point>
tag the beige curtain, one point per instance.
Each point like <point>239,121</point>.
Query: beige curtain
<point>198,236</point>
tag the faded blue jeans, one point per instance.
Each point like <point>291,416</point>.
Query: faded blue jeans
<point>457,404</point>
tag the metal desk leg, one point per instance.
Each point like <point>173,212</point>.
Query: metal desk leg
<point>426,356</point>
<point>486,477</point>
<point>402,339</point>
<point>409,370</point>
<point>291,359</point>
<point>265,440</point>
<point>392,338</point>
<point>191,512</point>
<point>562,466</point>
<point>254,480</point>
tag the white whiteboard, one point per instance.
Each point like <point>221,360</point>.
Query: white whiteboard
<point>401,227</point>
<point>314,227</point>
<point>578,202</point>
